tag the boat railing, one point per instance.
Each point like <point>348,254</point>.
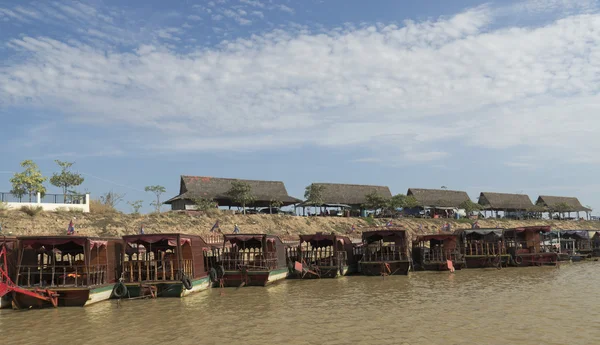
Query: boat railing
<point>135,271</point>
<point>390,252</point>
<point>61,276</point>
<point>250,260</point>
<point>485,248</point>
<point>442,255</point>
<point>325,256</point>
<point>528,247</point>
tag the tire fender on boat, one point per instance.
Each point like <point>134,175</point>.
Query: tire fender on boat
<point>187,283</point>
<point>120,290</point>
<point>518,260</point>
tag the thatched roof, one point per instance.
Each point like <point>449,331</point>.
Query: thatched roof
<point>350,194</point>
<point>216,188</point>
<point>551,201</point>
<point>504,201</point>
<point>438,197</point>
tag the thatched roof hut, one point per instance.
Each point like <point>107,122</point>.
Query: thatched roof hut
<point>438,197</point>
<point>216,188</point>
<point>505,202</point>
<point>550,202</point>
<point>353,195</point>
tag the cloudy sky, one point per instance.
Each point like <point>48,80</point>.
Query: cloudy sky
<point>477,96</point>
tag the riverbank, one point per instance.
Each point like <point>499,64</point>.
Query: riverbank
<point>118,224</point>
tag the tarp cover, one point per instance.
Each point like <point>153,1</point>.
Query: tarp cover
<point>52,241</point>
<point>385,235</point>
<point>530,229</point>
<point>484,232</point>
<point>169,239</point>
<point>579,234</point>
<point>97,243</point>
<point>438,237</point>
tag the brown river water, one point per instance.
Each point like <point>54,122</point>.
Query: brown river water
<point>511,306</point>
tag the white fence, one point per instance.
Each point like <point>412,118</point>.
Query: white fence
<point>48,202</point>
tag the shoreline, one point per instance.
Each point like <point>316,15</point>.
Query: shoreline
<point>16,223</point>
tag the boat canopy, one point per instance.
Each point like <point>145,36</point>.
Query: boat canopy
<point>480,233</point>
<point>319,240</point>
<point>62,243</point>
<point>387,234</point>
<point>158,240</point>
<point>249,240</point>
<point>437,237</point>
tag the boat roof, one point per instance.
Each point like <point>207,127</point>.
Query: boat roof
<point>530,229</point>
<point>384,233</point>
<point>437,237</point>
<point>320,237</point>
<point>151,238</point>
<point>481,232</point>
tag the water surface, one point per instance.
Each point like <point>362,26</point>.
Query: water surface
<point>511,306</point>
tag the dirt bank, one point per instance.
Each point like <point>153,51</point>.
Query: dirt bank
<point>117,224</point>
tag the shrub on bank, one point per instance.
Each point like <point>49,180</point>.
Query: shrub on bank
<point>98,207</point>
<point>31,211</point>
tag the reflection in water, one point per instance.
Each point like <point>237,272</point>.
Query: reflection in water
<point>511,306</point>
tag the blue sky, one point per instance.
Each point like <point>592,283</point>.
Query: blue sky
<point>477,96</point>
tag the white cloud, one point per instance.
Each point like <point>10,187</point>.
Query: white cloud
<point>169,33</point>
<point>194,17</point>
<point>556,5</point>
<point>420,86</point>
<point>285,8</point>
<point>216,17</point>
<point>254,3</point>
<point>259,14</point>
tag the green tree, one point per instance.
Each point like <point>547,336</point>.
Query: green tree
<point>410,202</point>
<point>375,201</point>
<point>561,208</point>
<point>66,179</point>
<point>470,207</point>
<point>136,205</point>
<point>274,203</point>
<point>395,202</point>
<point>157,190</point>
<point>29,182</point>
<point>241,193</point>
<point>202,204</point>
<point>313,194</point>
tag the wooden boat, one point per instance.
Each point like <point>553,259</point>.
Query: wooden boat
<point>434,252</point>
<point>163,265</point>
<point>9,244</point>
<point>483,248</point>
<point>321,256</point>
<point>595,243</point>
<point>384,252</point>
<point>576,244</point>
<point>252,260</point>
<point>78,270</point>
<point>526,247</point>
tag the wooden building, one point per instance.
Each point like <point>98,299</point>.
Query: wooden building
<point>504,202</point>
<point>441,201</point>
<point>216,188</point>
<point>555,203</point>
<point>352,196</point>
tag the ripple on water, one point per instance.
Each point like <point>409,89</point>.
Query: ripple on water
<point>510,306</point>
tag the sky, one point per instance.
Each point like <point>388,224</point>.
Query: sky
<point>498,96</point>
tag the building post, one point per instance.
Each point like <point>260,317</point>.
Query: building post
<point>39,198</point>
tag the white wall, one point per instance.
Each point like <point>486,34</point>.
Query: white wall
<point>85,208</point>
